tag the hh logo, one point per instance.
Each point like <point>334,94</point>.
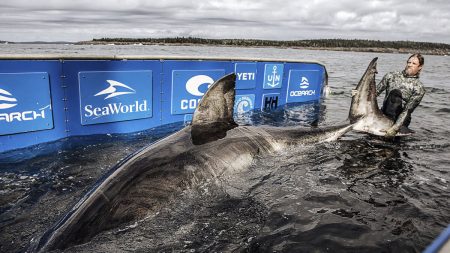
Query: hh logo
<point>273,76</point>
<point>127,96</point>
<point>270,101</point>
<point>188,87</point>
<point>7,100</point>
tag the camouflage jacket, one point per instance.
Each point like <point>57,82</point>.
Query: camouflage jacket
<point>411,88</point>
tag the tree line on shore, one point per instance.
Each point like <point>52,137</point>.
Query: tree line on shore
<point>315,43</point>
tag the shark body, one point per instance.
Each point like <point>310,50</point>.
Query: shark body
<point>211,146</point>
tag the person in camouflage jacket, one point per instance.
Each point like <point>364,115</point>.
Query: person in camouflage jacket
<point>404,91</point>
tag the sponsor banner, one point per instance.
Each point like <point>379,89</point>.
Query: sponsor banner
<point>270,101</point>
<point>111,96</point>
<point>188,87</point>
<point>244,103</point>
<point>188,119</point>
<point>25,103</point>
<point>303,85</point>
<point>273,76</point>
<point>245,75</point>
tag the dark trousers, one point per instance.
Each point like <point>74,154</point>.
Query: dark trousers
<point>392,107</point>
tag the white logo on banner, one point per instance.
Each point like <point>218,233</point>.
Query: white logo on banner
<point>6,100</point>
<point>244,104</point>
<point>112,89</point>
<point>195,82</point>
<point>274,79</point>
<point>305,83</point>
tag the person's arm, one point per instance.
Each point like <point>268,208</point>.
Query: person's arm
<point>383,84</point>
<point>407,110</point>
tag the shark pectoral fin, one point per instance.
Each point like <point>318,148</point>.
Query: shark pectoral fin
<point>214,115</point>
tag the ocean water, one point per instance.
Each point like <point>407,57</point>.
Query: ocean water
<point>358,194</point>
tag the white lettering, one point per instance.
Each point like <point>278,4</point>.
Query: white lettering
<point>142,107</point>
<point>115,108</point>
<point>133,107</point>
<point>184,103</point>
<point>274,78</point>
<point>299,93</point>
<point>4,116</point>
<point>124,109</point>
<point>36,115</point>
<point>15,115</point>
<point>246,76</point>
<point>22,116</point>
<point>97,111</point>
<point>189,104</point>
<point>89,113</point>
<point>192,103</point>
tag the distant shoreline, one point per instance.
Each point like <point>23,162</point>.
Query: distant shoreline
<point>393,47</point>
<point>401,47</point>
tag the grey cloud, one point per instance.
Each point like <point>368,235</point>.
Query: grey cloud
<point>84,19</point>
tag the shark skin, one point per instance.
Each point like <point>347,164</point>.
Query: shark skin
<point>210,147</point>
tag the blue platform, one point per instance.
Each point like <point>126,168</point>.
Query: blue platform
<point>46,98</point>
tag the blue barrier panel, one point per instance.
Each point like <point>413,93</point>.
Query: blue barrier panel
<point>25,103</point>
<point>112,96</point>
<point>47,99</point>
<point>273,76</point>
<point>188,87</point>
<point>245,75</point>
<point>141,91</point>
<point>303,85</point>
<point>185,83</point>
<point>30,83</point>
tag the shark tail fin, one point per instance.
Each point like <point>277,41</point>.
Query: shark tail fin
<point>364,98</point>
<point>214,114</point>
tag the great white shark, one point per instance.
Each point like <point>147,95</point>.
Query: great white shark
<point>212,145</point>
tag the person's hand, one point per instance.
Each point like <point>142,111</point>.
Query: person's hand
<point>391,132</point>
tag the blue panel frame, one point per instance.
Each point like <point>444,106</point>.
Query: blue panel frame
<point>170,66</point>
<point>64,82</point>
<point>72,70</point>
<point>112,96</point>
<point>53,68</point>
<point>25,103</point>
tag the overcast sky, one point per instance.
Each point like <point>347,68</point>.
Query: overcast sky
<point>76,20</point>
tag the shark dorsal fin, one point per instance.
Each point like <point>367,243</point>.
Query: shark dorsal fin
<point>214,114</point>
